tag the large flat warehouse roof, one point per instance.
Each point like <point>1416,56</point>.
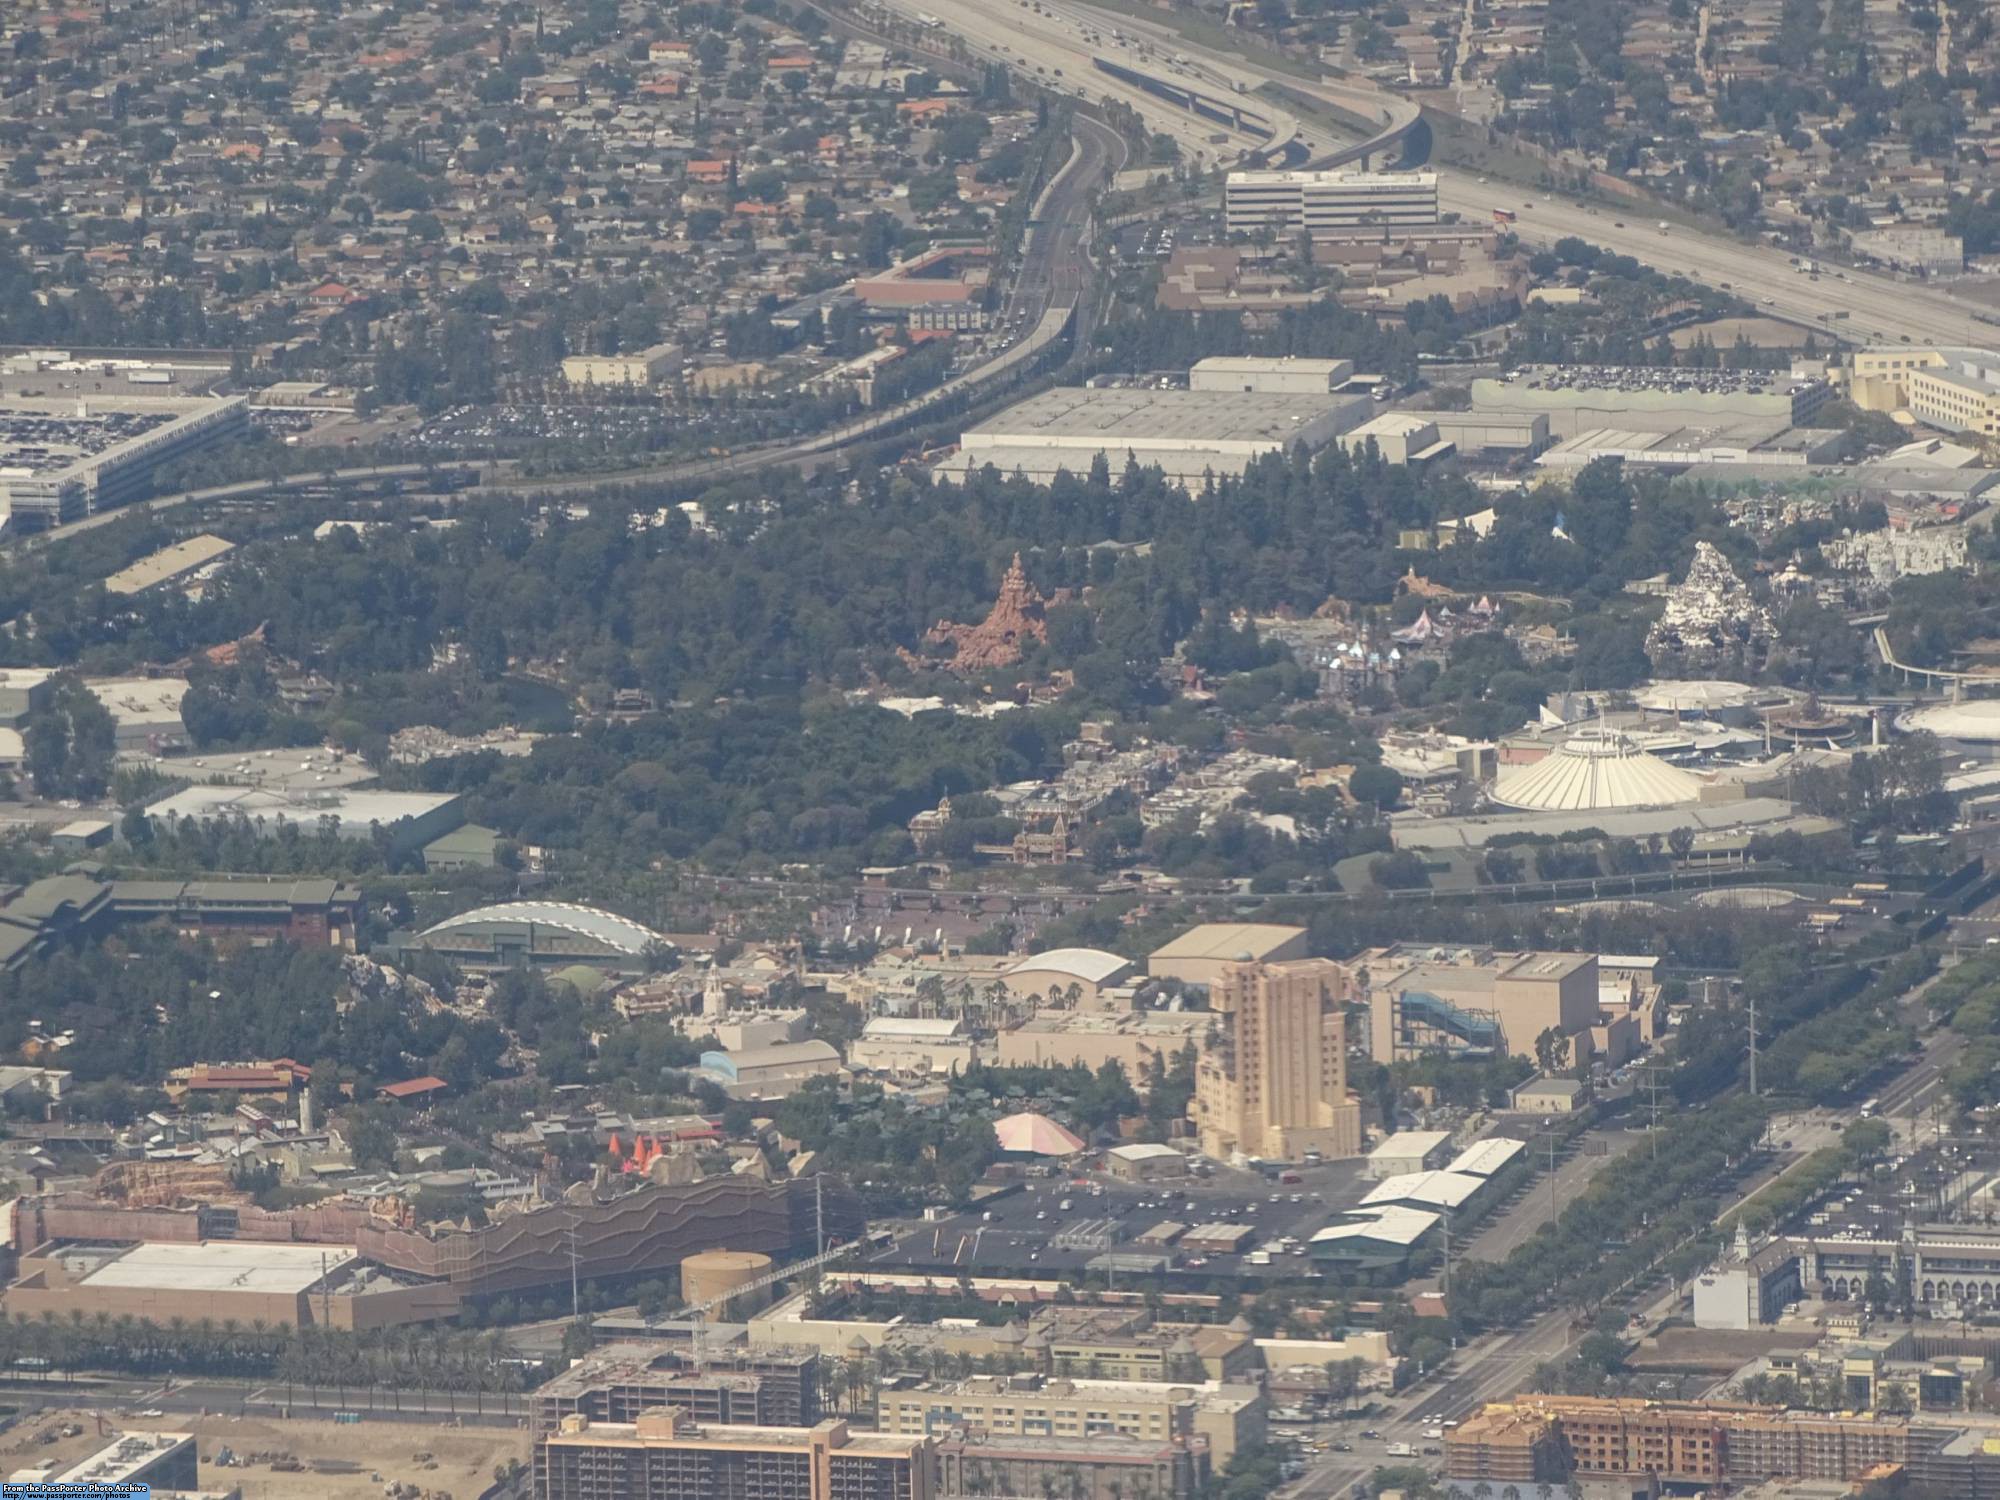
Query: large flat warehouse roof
<point>1230,940</point>
<point>350,806</point>
<point>221,1266</point>
<point>1072,416</point>
<point>168,563</point>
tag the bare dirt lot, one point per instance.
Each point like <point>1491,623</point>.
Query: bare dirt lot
<point>335,1462</point>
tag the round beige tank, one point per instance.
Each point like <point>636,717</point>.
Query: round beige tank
<point>717,1273</point>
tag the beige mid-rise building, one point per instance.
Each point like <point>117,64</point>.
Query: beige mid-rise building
<point>1956,389</point>
<point>1276,1086</point>
<point>1423,998</point>
<point>664,1455</point>
<point>1225,1416</point>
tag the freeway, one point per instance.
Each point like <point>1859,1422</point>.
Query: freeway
<point>1048,293</point>
<point>1053,43</point>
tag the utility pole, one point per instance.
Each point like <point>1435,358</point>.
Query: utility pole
<point>819,1215</point>
<point>1752,997</point>
<point>1447,1253</point>
<point>575,1302</point>
<point>1653,1095</point>
<point>1550,1138</point>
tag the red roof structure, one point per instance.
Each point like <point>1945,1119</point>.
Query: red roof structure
<point>413,1088</point>
<point>1035,1135</point>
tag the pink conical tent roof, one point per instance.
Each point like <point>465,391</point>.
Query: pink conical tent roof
<point>1035,1135</point>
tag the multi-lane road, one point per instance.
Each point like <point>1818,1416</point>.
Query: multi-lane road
<point>1048,295</point>
<point>1057,43</point>
<point>1496,1367</point>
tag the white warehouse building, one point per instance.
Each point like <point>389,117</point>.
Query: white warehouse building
<point>1291,201</point>
<point>1190,435</point>
<point>1257,375</point>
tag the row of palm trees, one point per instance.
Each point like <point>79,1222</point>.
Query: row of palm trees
<point>444,1361</point>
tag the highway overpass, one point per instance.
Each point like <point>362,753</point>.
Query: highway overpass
<point>1050,40</point>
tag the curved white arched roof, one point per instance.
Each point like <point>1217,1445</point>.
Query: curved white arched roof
<point>1597,768</point>
<point>1091,965</point>
<point>1976,719</point>
<point>614,931</point>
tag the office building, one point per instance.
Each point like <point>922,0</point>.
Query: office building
<point>1100,1468</point>
<point>642,367</point>
<point>1189,435</point>
<point>1120,1344</point>
<point>769,1386</point>
<point>1551,1439</point>
<point>1423,998</point>
<point>1225,1417</point>
<point>1276,1087</point>
<point>1956,389</point>
<point>665,1455</point>
<point>1287,202</point>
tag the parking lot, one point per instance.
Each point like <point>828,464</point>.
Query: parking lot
<point>498,428</point>
<point>1064,1223</point>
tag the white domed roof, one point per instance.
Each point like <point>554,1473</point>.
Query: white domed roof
<point>1693,695</point>
<point>1593,769</point>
